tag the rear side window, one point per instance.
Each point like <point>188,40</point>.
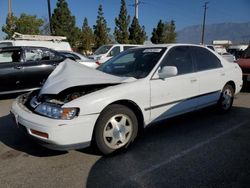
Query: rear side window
<point>37,54</point>
<point>179,57</point>
<point>205,60</point>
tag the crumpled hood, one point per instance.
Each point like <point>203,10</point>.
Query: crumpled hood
<point>70,73</point>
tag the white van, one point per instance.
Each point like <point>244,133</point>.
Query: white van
<point>105,52</point>
<point>52,42</point>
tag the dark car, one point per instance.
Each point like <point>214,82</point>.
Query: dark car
<point>244,63</point>
<point>26,68</point>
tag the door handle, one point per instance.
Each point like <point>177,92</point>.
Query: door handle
<point>222,74</point>
<point>193,80</point>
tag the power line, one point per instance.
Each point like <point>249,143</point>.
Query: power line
<point>204,20</point>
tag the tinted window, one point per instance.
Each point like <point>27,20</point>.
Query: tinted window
<point>205,59</point>
<point>179,57</point>
<point>136,63</point>
<point>37,54</point>
<point>246,53</point>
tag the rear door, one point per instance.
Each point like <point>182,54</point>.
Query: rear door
<point>38,64</point>
<point>11,70</point>
<point>211,76</point>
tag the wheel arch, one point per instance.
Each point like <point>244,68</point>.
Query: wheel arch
<point>136,109</point>
<point>232,84</point>
<point>131,105</point>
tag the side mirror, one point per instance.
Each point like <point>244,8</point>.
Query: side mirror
<point>167,71</point>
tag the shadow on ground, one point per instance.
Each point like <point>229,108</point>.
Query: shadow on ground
<point>13,137</point>
<point>160,142</point>
<point>246,87</point>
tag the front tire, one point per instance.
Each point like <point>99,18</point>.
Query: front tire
<point>226,99</point>
<point>115,129</point>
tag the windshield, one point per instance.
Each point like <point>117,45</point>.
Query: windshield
<point>103,49</point>
<point>246,53</point>
<point>136,63</point>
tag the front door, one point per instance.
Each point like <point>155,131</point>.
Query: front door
<point>174,95</point>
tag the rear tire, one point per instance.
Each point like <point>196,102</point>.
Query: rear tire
<point>116,128</point>
<point>226,99</point>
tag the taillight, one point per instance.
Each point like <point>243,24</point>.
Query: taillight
<point>98,63</point>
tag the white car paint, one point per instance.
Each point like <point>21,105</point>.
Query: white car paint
<point>155,98</point>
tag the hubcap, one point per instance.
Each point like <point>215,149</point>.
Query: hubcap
<point>117,131</point>
<point>227,97</point>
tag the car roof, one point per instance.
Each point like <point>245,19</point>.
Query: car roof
<point>169,45</point>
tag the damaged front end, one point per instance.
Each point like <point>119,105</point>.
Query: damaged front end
<point>51,105</point>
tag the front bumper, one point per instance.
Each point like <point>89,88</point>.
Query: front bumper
<point>62,134</point>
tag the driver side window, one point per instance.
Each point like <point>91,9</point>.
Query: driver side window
<point>180,58</point>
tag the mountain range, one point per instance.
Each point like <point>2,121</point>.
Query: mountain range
<point>236,32</point>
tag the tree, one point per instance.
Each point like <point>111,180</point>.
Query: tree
<point>164,33</point>
<point>87,37</point>
<point>122,22</point>
<point>171,34</point>
<point>10,26</point>
<point>25,24</point>
<point>137,34</point>
<point>157,34</point>
<point>101,30</point>
<point>64,24</point>
<point>28,24</point>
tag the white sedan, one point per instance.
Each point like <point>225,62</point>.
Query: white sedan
<point>78,106</point>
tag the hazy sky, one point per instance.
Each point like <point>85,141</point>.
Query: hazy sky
<point>184,12</point>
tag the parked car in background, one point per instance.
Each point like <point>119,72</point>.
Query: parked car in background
<point>236,50</point>
<point>244,63</point>
<point>105,52</point>
<point>26,68</point>
<point>80,59</point>
<point>53,42</point>
<point>222,51</point>
<point>108,106</point>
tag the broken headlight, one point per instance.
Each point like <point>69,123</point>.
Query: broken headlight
<point>56,111</point>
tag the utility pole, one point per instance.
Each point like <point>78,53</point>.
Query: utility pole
<point>136,8</point>
<point>203,25</point>
<point>9,8</point>
<point>49,12</point>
